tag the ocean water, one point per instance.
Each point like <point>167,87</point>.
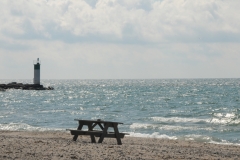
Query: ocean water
<point>205,110</point>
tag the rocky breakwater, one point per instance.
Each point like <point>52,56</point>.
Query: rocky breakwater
<point>15,85</point>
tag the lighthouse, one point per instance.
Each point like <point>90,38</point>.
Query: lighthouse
<point>36,79</point>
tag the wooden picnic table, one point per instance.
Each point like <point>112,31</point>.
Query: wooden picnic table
<point>102,133</point>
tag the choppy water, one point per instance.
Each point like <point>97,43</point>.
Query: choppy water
<point>204,110</point>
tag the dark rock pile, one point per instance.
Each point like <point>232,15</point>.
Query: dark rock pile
<point>15,85</point>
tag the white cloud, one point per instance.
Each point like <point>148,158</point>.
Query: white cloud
<point>120,38</point>
<point>166,20</point>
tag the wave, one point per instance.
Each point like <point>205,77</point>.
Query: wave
<point>177,119</point>
<point>167,127</point>
<point>192,137</point>
<point>25,127</point>
<point>153,135</point>
<point>52,111</point>
<point>229,119</point>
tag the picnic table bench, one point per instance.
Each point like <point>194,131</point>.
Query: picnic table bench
<point>103,133</point>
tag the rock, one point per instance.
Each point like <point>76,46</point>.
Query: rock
<point>15,85</point>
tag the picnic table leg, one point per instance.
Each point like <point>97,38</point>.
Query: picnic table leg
<point>104,133</point>
<point>117,134</point>
<point>79,128</point>
<point>90,128</point>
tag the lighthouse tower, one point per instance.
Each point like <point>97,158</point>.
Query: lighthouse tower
<point>36,79</point>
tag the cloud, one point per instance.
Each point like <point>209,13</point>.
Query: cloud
<point>120,38</point>
<point>119,61</point>
<point>122,20</point>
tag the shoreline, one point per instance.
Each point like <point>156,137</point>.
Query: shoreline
<point>59,145</point>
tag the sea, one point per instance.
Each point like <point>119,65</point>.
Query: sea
<point>202,110</point>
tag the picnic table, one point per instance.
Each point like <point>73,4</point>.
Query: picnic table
<point>102,133</point>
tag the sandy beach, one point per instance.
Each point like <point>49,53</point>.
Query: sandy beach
<point>59,145</point>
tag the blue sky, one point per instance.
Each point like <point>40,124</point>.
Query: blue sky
<point>120,39</point>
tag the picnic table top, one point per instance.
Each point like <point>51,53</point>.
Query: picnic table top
<point>97,121</point>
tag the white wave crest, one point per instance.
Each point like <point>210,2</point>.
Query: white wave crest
<point>24,127</point>
<point>153,135</point>
<point>218,119</point>
<point>177,119</point>
<point>140,125</point>
<point>52,111</point>
<point>228,118</point>
<point>224,121</point>
<point>166,127</point>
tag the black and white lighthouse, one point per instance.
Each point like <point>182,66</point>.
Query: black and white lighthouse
<point>36,79</point>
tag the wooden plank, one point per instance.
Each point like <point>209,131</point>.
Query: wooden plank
<point>78,132</point>
<point>117,134</point>
<point>96,121</point>
<point>99,124</point>
<point>104,133</point>
<point>79,128</point>
<point>90,128</point>
<point>96,133</point>
<point>112,135</point>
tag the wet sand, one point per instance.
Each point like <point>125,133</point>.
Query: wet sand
<point>59,145</point>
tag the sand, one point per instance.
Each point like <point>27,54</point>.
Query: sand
<point>59,145</point>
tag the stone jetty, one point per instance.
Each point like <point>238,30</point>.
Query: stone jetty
<point>15,85</point>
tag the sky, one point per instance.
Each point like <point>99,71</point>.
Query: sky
<point>120,39</point>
